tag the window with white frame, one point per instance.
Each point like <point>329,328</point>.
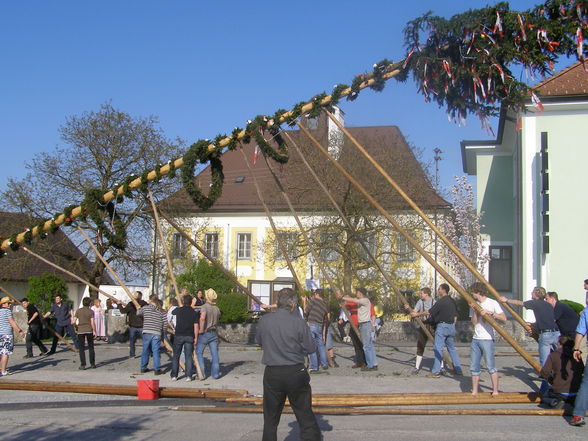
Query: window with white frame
<point>289,240</point>
<point>244,246</point>
<point>405,252</point>
<point>211,244</point>
<point>179,246</point>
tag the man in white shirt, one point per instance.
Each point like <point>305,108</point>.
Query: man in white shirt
<point>483,340</point>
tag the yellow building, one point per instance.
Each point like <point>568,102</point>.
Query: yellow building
<point>237,231</point>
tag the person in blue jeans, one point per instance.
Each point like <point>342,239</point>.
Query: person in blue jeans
<point>317,316</point>
<point>366,326</point>
<point>484,334</point>
<point>209,315</point>
<point>544,323</point>
<point>135,321</point>
<point>154,319</point>
<point>62,312</point>
<point>581,404</point>
<point>444,314</point>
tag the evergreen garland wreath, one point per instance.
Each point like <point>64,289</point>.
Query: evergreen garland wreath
<point>463,63</point>
<point>97,211</point>
<point>199,152</point>
<point>256,129</point>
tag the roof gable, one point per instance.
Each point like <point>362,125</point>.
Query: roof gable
<point>385,143</point>
<point>57,248</point>
<point>572,80</point>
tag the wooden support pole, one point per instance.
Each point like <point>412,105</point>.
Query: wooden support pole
<point>406,400</point>
<point>382,411</point>
<point>392,71</point>
<point>162,239</point>
<point>534,364</point>
<point>49,328</point>
<point>170,268</point>
<point>119,280</point>
<point>428,221</point>
<point>308,243</point>
<point>73,275</point>
<point>119,389</point>
<point>366,249</point>
<point>281,243</point>
<point>214,261</point>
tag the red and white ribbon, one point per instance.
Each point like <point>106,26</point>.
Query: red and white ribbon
<point>447,68</point>
<point>498,25</point>
<point>537,102</point>
<point>580,44</point>
<point>522,25</point>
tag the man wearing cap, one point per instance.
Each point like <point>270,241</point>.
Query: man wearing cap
<point>34,331</point>
<point>209,314</point>
<point>7,324</point>
<point>62,312</point>
<point>286,341</point>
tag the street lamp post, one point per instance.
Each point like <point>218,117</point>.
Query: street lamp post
<point>437,158</point>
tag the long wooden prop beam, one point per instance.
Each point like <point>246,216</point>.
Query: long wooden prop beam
<point>428,221</point>
<point>383,411</point>
<point>393,70</point>
<point>366,249</point>
<point>120,282</point>
<point>432,399</point>
<point>73,275</point>
<point>49,328</point>
<point>315,255</point>
<point>417,246</point>
<point>211,259</point>
<point>111,389</point>
<point>270,218</point>
<point>170,268</point>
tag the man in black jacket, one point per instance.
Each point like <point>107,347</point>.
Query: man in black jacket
<point>34,332</point>
<point>565,317</point>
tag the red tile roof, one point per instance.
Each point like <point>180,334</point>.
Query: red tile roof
<point>572,80</point>
<point>385,143</point>
<point>58,248</point>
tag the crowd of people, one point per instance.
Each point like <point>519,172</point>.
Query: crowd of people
<point>190,328</point>
<point>306,332</point>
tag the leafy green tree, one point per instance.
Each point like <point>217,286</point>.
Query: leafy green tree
<point>233,307</point>
<point>43,288</point>
<point>204,275</point>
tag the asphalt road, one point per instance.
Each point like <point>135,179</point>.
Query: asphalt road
<point>43,416</point>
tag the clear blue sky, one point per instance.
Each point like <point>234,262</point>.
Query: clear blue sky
<point>206,67</point>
